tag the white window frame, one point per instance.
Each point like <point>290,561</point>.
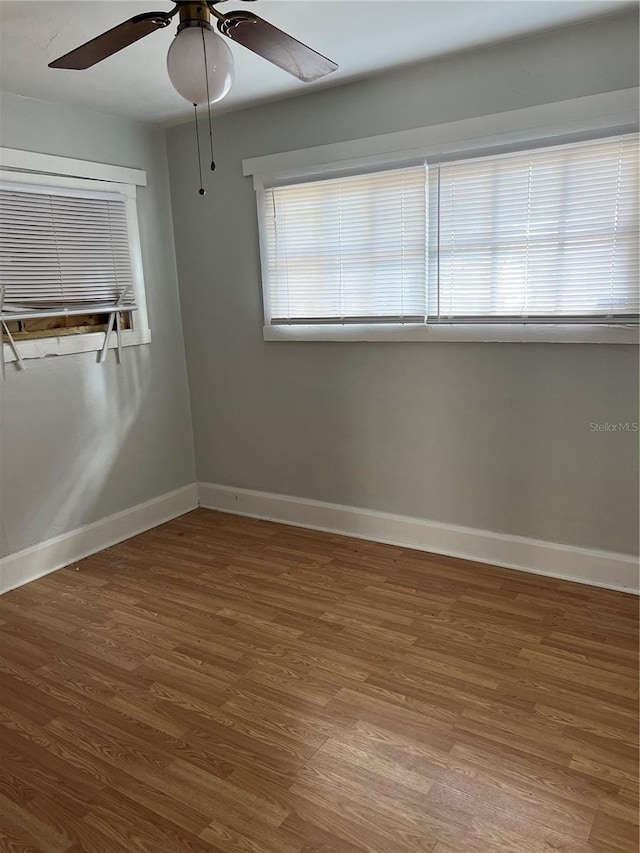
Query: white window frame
<point>27,167</point>
<point>590,117</point>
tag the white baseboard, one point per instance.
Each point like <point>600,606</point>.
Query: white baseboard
<point>583,565</point>
<point>597,568</point>
<point>24,566</point>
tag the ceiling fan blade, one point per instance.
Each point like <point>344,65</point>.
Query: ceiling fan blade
<point>279,48</point>
<point>112,41</point>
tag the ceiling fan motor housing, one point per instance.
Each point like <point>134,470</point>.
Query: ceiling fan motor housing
<point>194,15</point>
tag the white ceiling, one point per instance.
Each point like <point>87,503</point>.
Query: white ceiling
<point>363,36</point>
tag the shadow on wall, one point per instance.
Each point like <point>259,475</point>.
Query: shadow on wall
<point>70,444</point>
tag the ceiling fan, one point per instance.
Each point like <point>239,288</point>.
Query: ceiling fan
<point>195,38</point>
<point>199,62</point>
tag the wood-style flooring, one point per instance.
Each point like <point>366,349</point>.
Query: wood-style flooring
<point>227,685</point>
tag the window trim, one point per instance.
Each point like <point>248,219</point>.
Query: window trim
<point>590,117</point>
<point>140,332</point>
<point>52,164</point>
<point>609,113</point>
<point>457,333</point>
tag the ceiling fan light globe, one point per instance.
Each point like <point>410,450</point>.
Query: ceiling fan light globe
<point>186,65</point>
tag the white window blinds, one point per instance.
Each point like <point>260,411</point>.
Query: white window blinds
<point>547,235</point>
<point>349,249</point>
<point>63,251</point>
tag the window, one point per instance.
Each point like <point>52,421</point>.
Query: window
<point>545,236</point>
<point>349,249</point>
<point>70,270</point>
<point>549,235</point>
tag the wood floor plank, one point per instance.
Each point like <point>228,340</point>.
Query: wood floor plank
<point>24,822</point>
<point>228,685</point>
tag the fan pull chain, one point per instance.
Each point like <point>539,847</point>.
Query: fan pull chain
<point>206,79</point>
<point>202,190</point>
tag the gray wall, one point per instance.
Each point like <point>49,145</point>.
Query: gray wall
<point>494,436</point>
<point>81,440</point>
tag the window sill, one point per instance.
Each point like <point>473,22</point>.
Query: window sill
<point>461,333</point>
<point>69,344</point>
